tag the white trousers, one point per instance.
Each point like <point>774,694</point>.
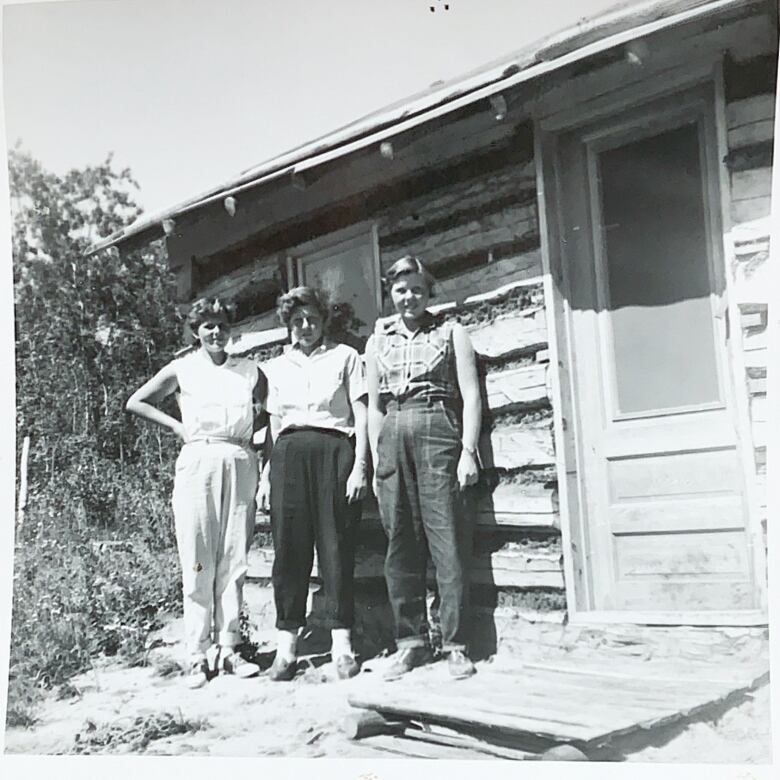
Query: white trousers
<point>214,512</point>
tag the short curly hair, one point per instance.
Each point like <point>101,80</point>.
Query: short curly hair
<point>204,308</point>
<point>408,264</point>
<point>302,296</point>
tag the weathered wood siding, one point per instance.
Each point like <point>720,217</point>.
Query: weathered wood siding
<point>750,114</point>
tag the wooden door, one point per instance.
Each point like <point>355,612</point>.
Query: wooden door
<point>661,487</point>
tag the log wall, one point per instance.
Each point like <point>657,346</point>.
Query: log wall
<point>475,222</point>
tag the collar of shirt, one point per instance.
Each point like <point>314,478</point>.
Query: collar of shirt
<point>394,325</point>
<point>297,355</point>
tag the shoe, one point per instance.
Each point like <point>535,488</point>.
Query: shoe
<point>346,667</point>
<point>460,665</point>
<point>282,670</point>
<point>407,659</point>
<point>197,676</point>
<point>233,663</point>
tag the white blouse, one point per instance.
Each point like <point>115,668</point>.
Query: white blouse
<point>316,390</point>
<point>216,400</point>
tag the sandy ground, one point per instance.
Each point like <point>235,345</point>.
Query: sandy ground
<point>257,717</point>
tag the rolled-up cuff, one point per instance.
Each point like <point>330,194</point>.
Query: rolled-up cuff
<point>228,639</point>
<point>411,641</point>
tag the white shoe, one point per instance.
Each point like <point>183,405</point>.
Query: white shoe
<point>197,676</point>
<point>232,663</point>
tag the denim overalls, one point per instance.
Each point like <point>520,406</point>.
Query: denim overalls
<point>419,499</point>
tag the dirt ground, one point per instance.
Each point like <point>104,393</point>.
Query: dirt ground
<point>256,717</point>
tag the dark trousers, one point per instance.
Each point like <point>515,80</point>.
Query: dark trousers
<point>309,471</point>
<point>422,511</point>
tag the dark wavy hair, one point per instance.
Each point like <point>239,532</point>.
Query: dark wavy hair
<point>302,296</point>
<point>408,264</point>
<point>204,308</point>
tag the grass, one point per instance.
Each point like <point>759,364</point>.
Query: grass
<point>77,597</point>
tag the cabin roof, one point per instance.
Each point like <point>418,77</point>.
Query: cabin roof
<point>626,21</point>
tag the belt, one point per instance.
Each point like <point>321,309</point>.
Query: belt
<point>201,439</point>
<point>417,401</point>
<point>315,429</point>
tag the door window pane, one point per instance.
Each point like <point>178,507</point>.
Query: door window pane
<point>657,273</point>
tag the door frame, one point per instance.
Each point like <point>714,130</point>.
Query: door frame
<point>550,120</point>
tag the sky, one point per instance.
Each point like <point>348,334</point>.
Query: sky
<point>188,93</point>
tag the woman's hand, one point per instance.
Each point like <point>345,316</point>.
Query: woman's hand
<point>468,470</point>
<point>180,431</point>
<point>264,493</point>
<point>357,484</point>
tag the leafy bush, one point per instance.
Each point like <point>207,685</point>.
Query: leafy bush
<point>95,566</point>
<point>77,596</point>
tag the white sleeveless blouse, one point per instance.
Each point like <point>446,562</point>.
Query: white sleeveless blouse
<point>216,401</point>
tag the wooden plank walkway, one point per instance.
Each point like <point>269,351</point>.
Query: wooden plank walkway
<point>582,702</point>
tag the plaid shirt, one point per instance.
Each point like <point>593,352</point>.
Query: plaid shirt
<point>416,365</point>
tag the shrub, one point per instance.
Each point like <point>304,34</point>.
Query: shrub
<point>77,596</point>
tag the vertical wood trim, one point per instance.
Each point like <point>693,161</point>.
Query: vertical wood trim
<point>377,267</point>
<point>735,347</point>
<point>576,591</point>
<point>291,273</point>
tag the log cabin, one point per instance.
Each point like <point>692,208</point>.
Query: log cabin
<point>596,210</point>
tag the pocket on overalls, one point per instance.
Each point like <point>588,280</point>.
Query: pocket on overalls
<point>386,465</point>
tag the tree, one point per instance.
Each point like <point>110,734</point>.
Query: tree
<point>89,329</point>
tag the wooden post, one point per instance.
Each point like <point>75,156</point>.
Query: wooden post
<point>22,503</point>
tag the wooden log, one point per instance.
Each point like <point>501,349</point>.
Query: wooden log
<point>562,753</point>
<point>517,446</point>
<point>511,333</point>
<point>750,110</point>
<point>751,209</point>
<point>250,341</point>
<point>525,385</point>
<point>534,286</point>
<point>746,185</point>
<point>752,319</point>
<point>467,742</point>
<point>460,197</point>
<point>369,723</point>
<point>476,233</point>
<point>754,133</point>
<point>487,277</point>
<point>518,505</point>
<point>512,568</point>
<point>757,385</point>
<point>758,408</point>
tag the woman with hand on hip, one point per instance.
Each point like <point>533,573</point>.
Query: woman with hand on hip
<point>315,477</point>
<point>421,372</point>
<point>215,484</point>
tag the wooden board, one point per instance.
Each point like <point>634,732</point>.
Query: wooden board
<point>587,704</point>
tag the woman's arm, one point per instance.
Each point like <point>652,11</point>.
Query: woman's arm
<point>155,390</point>
<point>356,483</point>
<point>264,487</point>
<point>468,383</point>
<point>375,412</point>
